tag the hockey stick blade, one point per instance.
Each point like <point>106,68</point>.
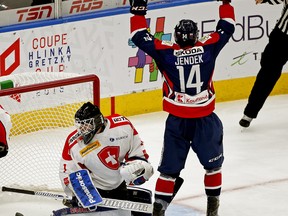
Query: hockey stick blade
<point>107,202</point>
<point>127,205</point>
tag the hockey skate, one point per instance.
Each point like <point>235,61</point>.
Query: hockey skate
<point>158,209</point>
<point>212,206</point>
<point>245,121</point>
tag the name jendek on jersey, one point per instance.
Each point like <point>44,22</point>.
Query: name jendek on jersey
<point>189,56</point>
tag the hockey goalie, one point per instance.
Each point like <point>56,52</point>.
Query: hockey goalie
<point>104,158</point>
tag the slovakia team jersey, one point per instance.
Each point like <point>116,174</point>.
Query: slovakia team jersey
<point>5,126</point>
<point>187,73</point>
<point>103,155</point>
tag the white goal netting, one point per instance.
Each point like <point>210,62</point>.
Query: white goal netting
<point>41,121</point>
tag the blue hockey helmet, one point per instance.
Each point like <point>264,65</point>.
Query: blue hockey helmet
<point>186,33</point>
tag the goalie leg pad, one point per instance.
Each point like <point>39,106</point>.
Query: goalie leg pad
<point>84,189</point>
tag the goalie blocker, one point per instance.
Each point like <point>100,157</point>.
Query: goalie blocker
<point>84,189</point>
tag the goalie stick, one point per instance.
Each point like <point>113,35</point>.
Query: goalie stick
<point>107,202</point>
<point>30,192</point>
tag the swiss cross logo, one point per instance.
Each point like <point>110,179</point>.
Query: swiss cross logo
<point>34,13</point>
<point>85,5</point>
<point>109,156</point>
<point>12,52</point>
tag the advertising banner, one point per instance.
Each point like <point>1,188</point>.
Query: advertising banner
<point>103,46</point>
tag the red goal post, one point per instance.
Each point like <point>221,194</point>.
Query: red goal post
<point>57,83</point>
<point>42,108</point>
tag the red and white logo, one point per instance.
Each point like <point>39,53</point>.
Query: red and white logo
<point>109,156</point>
<point>35,13</point>
<point>12,52</point>
<point>85,6</point>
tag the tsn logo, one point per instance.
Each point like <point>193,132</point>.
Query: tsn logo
<point>85,5</point>
<point>34,13</point>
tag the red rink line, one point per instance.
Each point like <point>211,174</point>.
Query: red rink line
<point>234,189</point>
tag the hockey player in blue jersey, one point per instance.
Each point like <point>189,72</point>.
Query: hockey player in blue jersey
<point>187,67</point>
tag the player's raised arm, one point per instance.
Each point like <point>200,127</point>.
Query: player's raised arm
<point>138,8</point>
<point>226,11</point>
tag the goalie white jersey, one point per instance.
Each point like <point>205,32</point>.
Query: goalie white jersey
<point>103,155</point>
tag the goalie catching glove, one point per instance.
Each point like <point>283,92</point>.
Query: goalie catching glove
<point>136,172</point>
<point>138,7</point>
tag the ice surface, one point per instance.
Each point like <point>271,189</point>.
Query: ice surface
<point>255,171</point>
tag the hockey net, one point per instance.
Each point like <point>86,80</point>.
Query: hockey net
<point>42,108</point>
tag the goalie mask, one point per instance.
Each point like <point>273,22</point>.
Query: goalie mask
<point>186,33</point>
<point>88,120</point>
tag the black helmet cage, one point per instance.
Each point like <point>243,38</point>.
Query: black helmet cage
<point>88,120</point>
<point>186,33</point>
